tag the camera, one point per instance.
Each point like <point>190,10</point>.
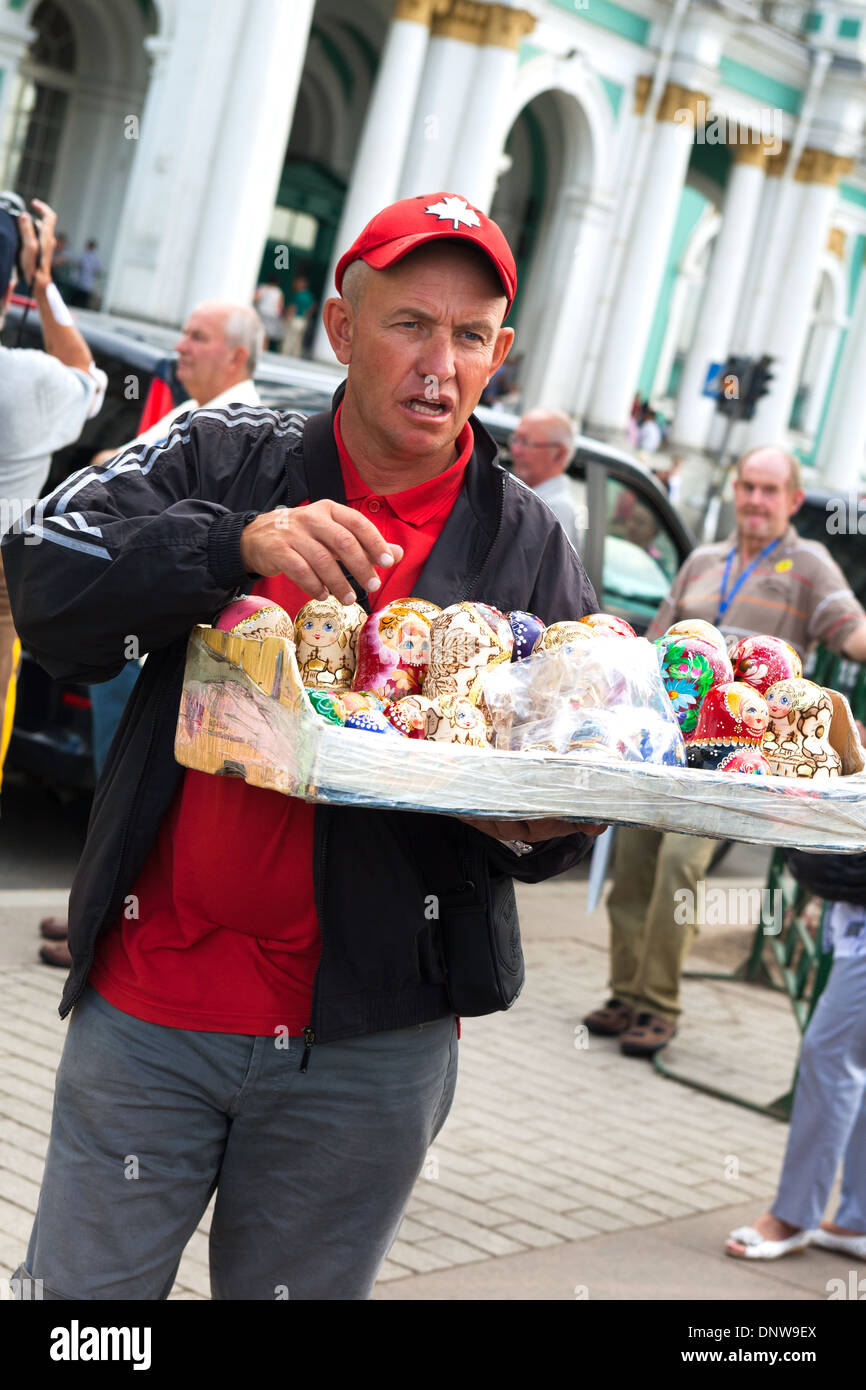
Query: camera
<point>14,205</point>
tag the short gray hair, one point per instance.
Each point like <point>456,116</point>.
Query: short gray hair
<point>244,329</point>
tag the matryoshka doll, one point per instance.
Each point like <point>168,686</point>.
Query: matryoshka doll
<point>464,640</point>
<point>455,719</point>
<point>254,617</point>
<point>689,668</point>
<point>526,630</point>
<point>732,716</point>
<point>326,638</point>
<point>607,625</point>
<point>564,634</point>
<point>761,661</point>
<point>394,648</point>
<point>798,741</point>
<point>749,761</point>
<point>697,627</point>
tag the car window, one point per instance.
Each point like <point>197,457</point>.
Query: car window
<point>640,558</point>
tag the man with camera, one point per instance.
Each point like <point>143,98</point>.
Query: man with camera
<point>45,397</point>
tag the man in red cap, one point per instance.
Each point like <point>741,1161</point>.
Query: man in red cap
<point>264,993</point>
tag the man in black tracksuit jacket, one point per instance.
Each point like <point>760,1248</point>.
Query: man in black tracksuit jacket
<point>151,545</point>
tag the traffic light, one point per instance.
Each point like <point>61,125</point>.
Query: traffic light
<point>758,385</point>
<point>732,383</point>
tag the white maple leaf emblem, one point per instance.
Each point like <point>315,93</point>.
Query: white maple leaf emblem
<point>457,211</point>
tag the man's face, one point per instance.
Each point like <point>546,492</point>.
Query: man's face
<point>535,452</point>
<point>206,365</point>
<point>424,341</point>
<point>763,498</point>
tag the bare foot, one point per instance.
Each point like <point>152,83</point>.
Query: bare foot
<point>768,1226</point>
<point>840,1230</point>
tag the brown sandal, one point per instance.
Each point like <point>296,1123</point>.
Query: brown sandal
<point>649,1034</point>
<point>610,1020</point>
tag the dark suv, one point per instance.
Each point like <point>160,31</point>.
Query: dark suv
<point>631,540</point>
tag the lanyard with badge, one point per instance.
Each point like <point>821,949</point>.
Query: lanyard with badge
<point>726,598</point>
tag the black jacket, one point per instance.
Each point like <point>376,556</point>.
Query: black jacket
<point>150,545</point>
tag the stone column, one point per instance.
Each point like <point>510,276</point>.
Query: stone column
<point>477,151</point>
<point>552,376</point>
<point>842,453</point>
<point>824,346</point>
<point>250,151</point>
<point>714,328</point>
<point>382,147</point>
<point>644,263</point>
<point>449,73</point>
<point>817,178</point>
<point>206,168</point>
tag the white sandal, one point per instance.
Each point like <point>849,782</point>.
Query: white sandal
<point>846,1245</point>
<point>759,1248</point>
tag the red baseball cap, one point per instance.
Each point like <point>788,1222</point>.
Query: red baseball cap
<point>402,227</point>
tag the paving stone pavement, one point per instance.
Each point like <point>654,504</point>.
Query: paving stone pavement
<point>554,1136</point>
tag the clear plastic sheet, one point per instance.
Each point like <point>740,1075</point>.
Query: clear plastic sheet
<point>244,712</point>
<point>601,698</point>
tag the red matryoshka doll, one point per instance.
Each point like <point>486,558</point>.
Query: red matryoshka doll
<point>689,668</point>
<point>697,627</point>
<point>326,638</point>
<point>798,741</point>
<point>607,625</point>
<point>732,716</point>
<point>762,661</point>
<point>394,648</point>
<point>746,760</point>
<point>465,639</point>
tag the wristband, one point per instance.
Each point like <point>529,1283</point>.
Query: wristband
<point>59,311</point>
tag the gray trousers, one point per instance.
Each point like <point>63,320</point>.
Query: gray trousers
<point>828,1121</point>
<point>312,1170</point>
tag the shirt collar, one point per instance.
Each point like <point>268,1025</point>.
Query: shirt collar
<point>414,505</point>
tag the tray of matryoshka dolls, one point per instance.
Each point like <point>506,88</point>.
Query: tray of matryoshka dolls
<point>468,711</point>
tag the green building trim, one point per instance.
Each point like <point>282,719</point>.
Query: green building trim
<point>759,85</point>
<point>610,16</point>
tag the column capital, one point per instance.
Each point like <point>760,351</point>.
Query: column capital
<point>642,88</point>
<point>419,11</point>
<point>505,27</point>
<point>821,166</point>
<point>836,242</point>
<point>776,163</point>
<point>460,19</point>
<point>677,101</point>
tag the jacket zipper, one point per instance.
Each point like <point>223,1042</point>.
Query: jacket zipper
<point>471,583</point>
<point>318,880</point>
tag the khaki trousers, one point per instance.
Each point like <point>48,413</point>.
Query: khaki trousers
<point>10,652</point>
<point>647,945</point>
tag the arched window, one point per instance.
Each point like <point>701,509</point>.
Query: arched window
<point>45,78</point>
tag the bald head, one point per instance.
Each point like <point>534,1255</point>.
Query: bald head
<point>219,347</point>
<point>774,456</point>
<point>767,493</point>
<point>542,446</point>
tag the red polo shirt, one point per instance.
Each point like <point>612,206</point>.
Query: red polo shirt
<point>220,931</point>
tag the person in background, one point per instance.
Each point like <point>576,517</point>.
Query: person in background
<point>828,1121</point>
<point>87,272</point>
<point>45,398</point>
<point>763,578</point>
<point>298,312</point>
<point>649,434</point>
<point>217,356</point>
<point>269,302</point>
<point>541,450</point>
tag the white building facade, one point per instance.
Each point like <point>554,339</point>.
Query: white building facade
<point>679,179</point>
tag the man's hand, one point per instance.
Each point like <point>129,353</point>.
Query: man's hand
<point>531,831</point>
<point>37,277</point>
<point>308,544</point>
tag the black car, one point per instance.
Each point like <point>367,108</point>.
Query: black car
<point>632,542</point>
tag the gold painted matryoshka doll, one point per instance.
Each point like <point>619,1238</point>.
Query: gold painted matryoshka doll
<point>326,638</point>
